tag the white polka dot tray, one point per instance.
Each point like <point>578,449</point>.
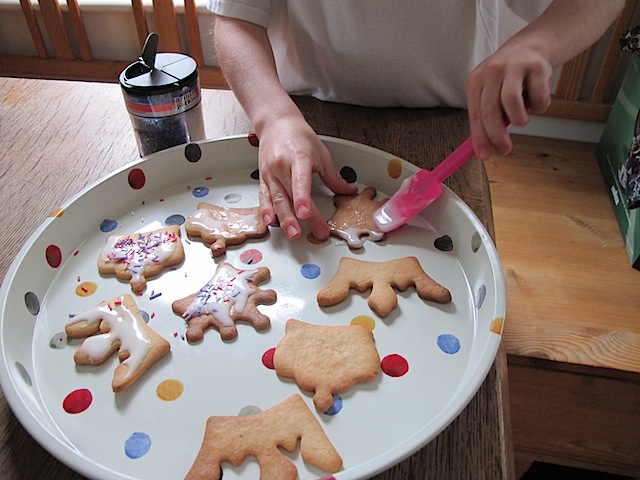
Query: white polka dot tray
<point>432,356</point>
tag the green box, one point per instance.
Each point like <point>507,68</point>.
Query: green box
<point>612,153</point>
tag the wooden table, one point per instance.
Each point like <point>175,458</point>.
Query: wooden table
<point>57,137</point>
<point>573,309</point>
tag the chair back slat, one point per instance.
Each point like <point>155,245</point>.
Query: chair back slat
<point>193,31</point>
<point>167,25</point>
<point>140,17</point>
<point>34,28</point>
<point>80,31</point>
<point>572,76</point>
<point>52,15</point>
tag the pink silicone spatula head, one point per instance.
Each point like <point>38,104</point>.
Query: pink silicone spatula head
<point>419,190</point>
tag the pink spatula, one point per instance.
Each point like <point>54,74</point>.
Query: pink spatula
<point>419,190</point>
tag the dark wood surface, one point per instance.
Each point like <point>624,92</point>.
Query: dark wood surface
<point>57,137</point>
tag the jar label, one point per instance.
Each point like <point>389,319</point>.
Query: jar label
<point>164,105</point>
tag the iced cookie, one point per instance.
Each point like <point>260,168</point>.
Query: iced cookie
<point>382,278</point>
<point>138,256</point>
<point>233,438</point>
<point>353,219</point>
<point>326,359</point>
<point>231,295</point>
<point>222,226</point>
<point>117,326</point>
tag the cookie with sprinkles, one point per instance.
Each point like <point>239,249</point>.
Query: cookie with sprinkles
<point>222,226</point>
<point>134,257</point>
<point>116,325</point>
<point>231,295</point>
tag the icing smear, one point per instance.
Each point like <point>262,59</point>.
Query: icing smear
<point>229,288</point>
<point>123,327</point>
<point>225,223</point>
<point>355,237</point>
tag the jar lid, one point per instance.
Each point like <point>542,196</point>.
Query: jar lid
<point>158,73</point>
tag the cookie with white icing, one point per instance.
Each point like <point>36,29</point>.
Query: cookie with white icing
<point>116,325</point>
<point>353,219</point>
<point>223,226</point>
<point>231,295</point>
<point>135,257</point>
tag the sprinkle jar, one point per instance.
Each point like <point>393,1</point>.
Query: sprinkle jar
<point>163,101</point>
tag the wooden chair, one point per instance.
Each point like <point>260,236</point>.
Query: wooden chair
<point>61,62</point>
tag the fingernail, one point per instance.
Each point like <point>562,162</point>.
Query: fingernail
<point>292,231</point>
<point>303,211</point>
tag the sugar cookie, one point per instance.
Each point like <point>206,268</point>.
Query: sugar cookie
<point>116,325</point>
<point>381,278</point>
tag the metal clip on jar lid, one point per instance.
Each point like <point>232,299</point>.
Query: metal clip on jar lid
<point>158,73</point>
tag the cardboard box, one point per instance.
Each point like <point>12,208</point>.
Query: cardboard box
<point>613,151</point>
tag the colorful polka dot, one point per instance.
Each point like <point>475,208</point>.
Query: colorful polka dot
<point>24,374</point>
<point>108,225</point>
<point>267,358</point>
<point>289,310</point>
<point>481,294</point>
<point>136,179</point>
<point>476,242</point>
<point>336,406</point>
<point>54,256</point>
<point>137,445</point>
<point>169,390</point>
<point>77,401</point>
<point>200,192</point>
<point>32,303</point>
<point>253,140</point>
<point>251,256</point>
<point>175,219</point>
<point>249,410</point>
<point>365,321</point>
<point>444,243</point>
<point>449,343</point>
<point>57,213</point>
<point>193,152</point>
<point>233,198</point>
<point>311,238</point>
<point>86,289</point>
<point>349,174</point>
<point>394,168</point>
<point>310,271</point>
<point>497,325</point>
<point>144,315</point>
<point>394,365</point>
<point>59,341</point>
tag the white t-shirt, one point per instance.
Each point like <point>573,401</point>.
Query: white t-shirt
<point>409,53</point>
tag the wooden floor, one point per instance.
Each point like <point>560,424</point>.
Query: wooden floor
<point>572,330</point>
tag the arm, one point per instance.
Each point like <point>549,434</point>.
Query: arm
<point>290,151</point>
<point>524,63</point>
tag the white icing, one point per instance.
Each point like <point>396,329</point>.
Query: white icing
<point>224,223</point>
<point>355,237</point>
<point>124,328</point>
<point>229,288</point>
<point>139,250</point>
